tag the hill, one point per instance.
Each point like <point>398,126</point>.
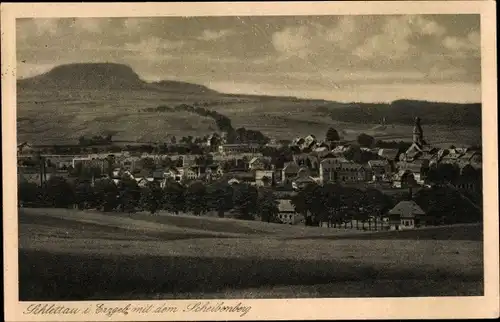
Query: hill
<point>102,76</point>
<point>405,111</point>
<point>91,99</point>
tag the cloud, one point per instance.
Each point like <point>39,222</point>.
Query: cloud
<point>323,52</point>
<point>463,47</point>
<point>154,44</point>
<point>35,28</point>
<point>210,35</point>
<point>91,25</point>
<point>45,26</point>
<point>293,42</point>
<point>343,34</point>
<point>25,70</point>
<point>398,37</point>
<point>152,49</point>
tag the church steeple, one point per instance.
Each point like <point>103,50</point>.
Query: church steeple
<point>418,133</point>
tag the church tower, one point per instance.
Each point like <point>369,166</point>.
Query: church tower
<point>418,133</point>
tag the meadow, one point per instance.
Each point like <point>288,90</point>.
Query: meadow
<point>86,255</point>
<point>48,117</point>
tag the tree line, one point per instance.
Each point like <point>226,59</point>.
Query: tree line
<point>331,203</point>
<point>338,205</point>
<point>239,135</point>
<point>404,112</point>
<point>244,201</point>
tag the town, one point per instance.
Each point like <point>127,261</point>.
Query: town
<point>328,182</point>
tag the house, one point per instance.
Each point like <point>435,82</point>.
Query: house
<point>323,152</point>
<point>142,181</point>
<point>130,163</point>
<point>59,161</point>
<point>340,149</point>
<point>189,160</point>
<point>264,177</point>
<point>89,162</point>
<point>302,179</point>
<point>380,169</point>
<point>474,158</point>
<point>309,142</point>
<point>390,155</point>
<point>418,168</point>
<point>298,141</point>
<point>403,179</point>
<point>238,148</point>
<point>24,148</point>
<point>29,174</point>
<point>406,215</point>
<point>127,174</point>
<point>287,213</point>
<point>190,173</point>
<point>259,163</point>
<point>341,170</point>
<point>215,170</point>
<point>235,177</point>
<point>289,171</point>
<point>307,160</point>
<point>116,172</point>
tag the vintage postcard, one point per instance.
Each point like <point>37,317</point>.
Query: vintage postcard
<point>250,161</point>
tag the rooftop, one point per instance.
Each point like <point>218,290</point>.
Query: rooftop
<point>407,207</point>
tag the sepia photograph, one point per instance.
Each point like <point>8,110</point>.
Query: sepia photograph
<point>224,157</point>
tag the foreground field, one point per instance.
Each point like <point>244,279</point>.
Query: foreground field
<point>72,255</point>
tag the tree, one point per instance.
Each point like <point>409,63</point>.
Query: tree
<point>86,173</point>
<point>468,173</point>
<point>447,205</point>
<point>173,199</point>
<point>365,140</point>
<point>84,193</point>
<point>332,135</point>
<point>220,197</point>
<point>27,193</point>
<point>129,194</point>
<point>106,194</point>
<point>267,206</point>
<point>245,201</point>
<point>196,198</point>
<point>375,203</point>
<point>306,202</point>
<point>167,162</point>
<point>151,198</point>
<point>443,173</point>
<point>148,164</point>
<point>59,192</point>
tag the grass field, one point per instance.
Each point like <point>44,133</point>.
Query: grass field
<point>47,117</point>
<point>77,255</point>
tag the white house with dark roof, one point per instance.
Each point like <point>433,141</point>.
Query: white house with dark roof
<point>406,215</point>
<point>287,213</point>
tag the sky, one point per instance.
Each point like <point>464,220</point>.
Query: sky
<point>347,58</point>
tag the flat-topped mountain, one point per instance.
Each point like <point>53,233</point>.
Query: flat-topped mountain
<point>106,76</point>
